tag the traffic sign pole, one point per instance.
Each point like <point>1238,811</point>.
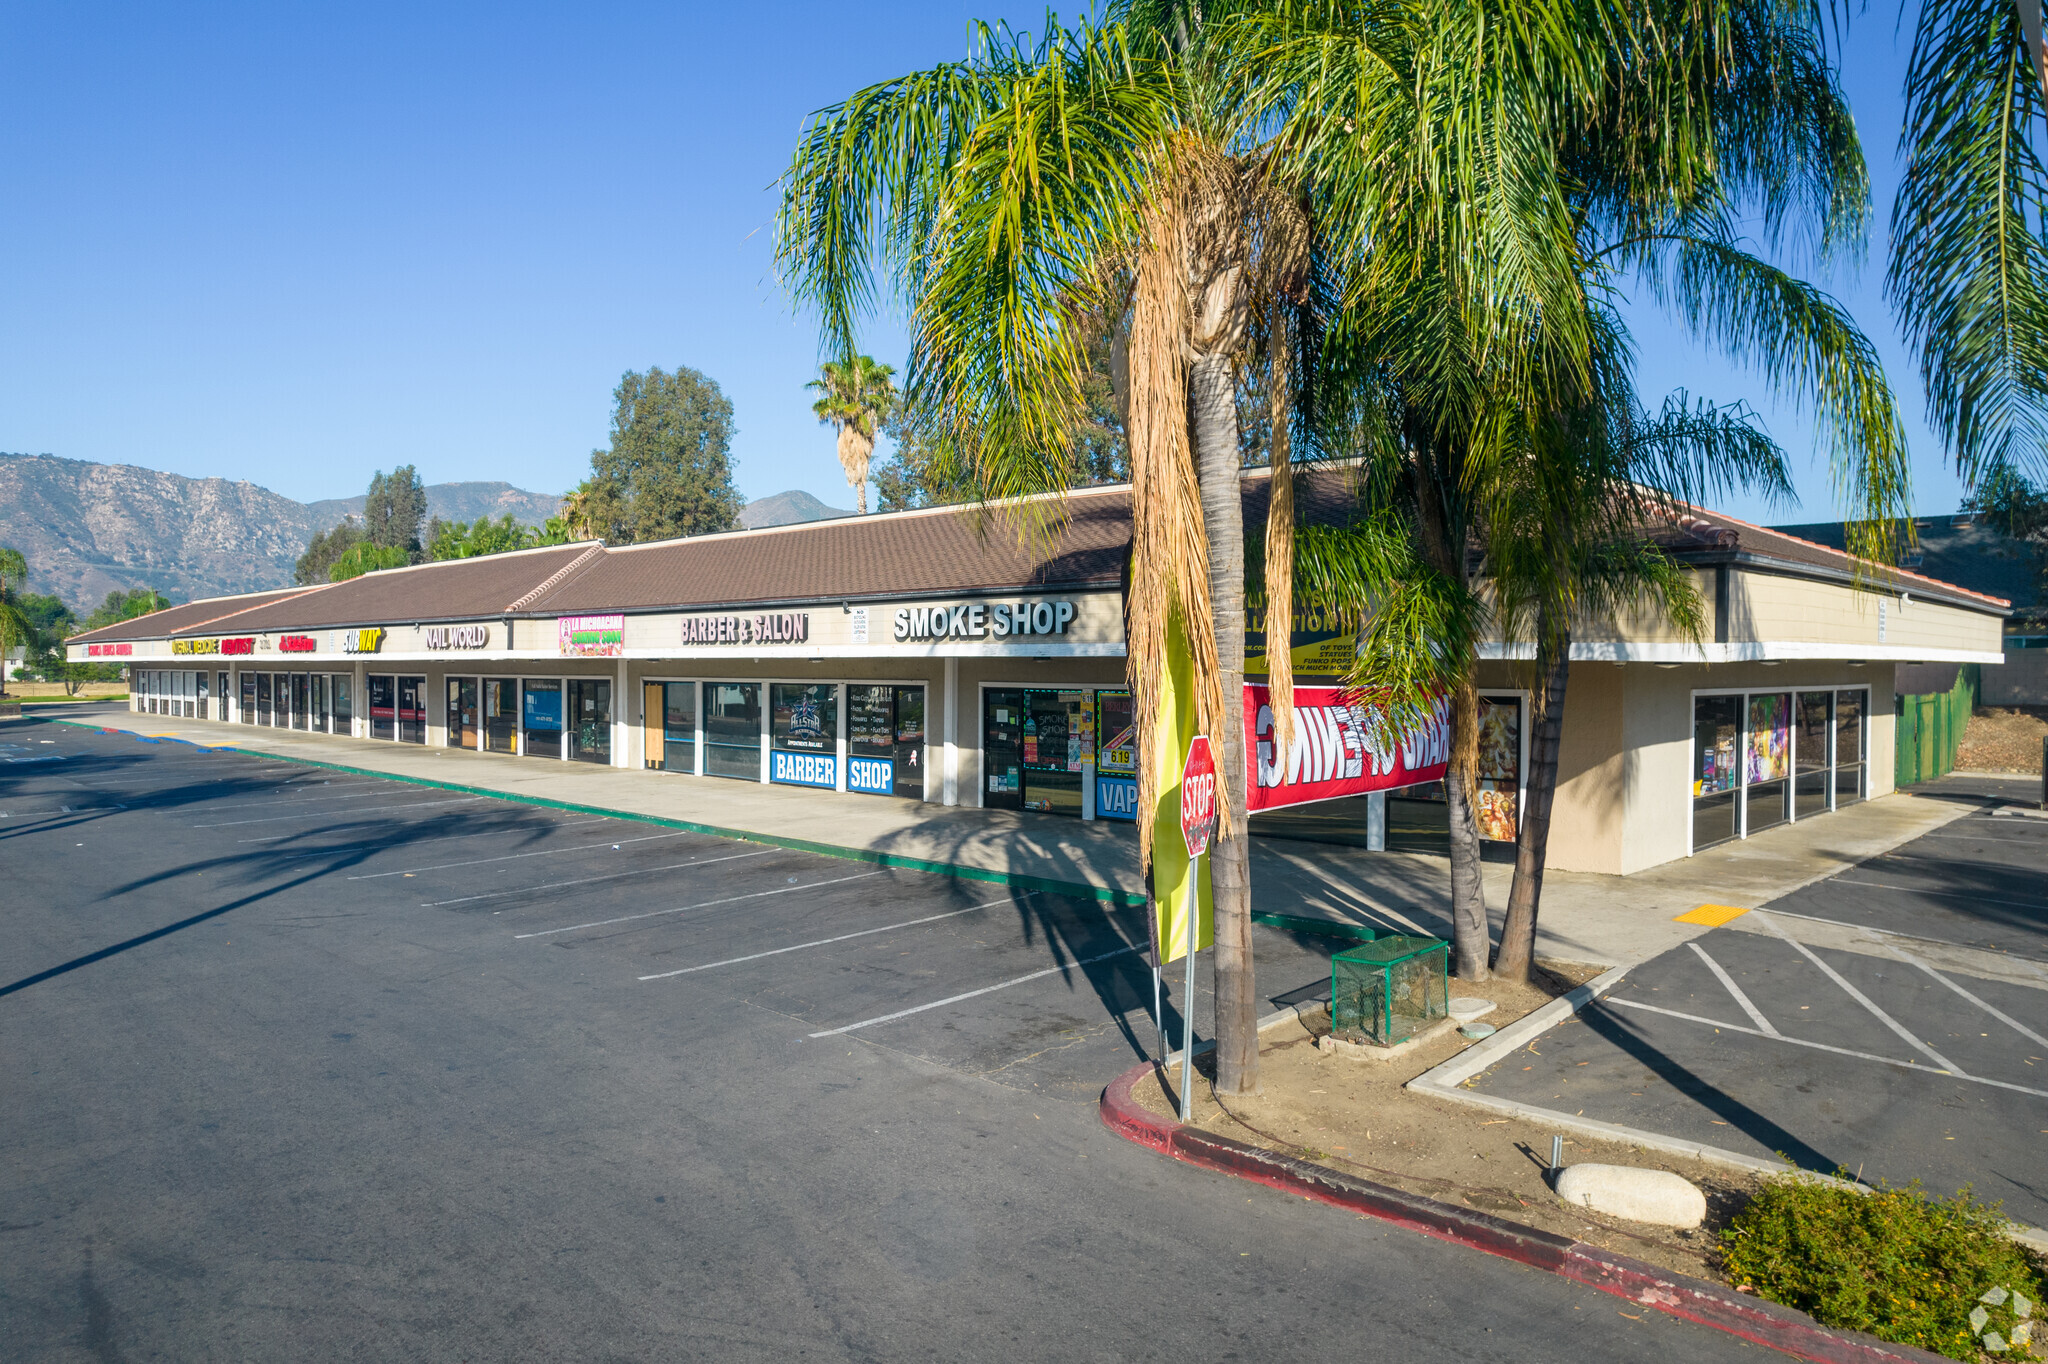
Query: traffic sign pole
<point>1187,1010</point>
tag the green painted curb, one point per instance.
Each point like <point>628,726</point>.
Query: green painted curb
<point>1074,889</point>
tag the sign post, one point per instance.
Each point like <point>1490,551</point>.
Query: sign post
<point>1197,829</point>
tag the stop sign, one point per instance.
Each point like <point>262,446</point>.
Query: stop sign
<point>1198,796</point>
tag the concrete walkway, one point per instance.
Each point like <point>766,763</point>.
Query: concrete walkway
<point>1608,920</point>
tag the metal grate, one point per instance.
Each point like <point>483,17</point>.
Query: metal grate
<point>1388,990</point>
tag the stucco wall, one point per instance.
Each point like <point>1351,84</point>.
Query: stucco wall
<point>1586,820</point>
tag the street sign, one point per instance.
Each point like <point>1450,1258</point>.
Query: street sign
<point>1198,796</point>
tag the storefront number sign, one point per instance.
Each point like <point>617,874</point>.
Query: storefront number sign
<point>592,636</point>
<point>1336,753</point>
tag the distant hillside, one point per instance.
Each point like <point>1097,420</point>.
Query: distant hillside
<point>785,509</point>
<point>456,502</point>
<point>88,528</point>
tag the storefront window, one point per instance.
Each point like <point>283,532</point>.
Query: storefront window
<point>248,698</point>
<point>1849,708</point>
<point>263,711</point>
<point>1500,766</point>
<point>1116,756</point>
<point>383,707</point>
<point>1716,749</point>
<point>281,689</point>
<point>1033,746</point>
<point>1767,798</point>
<point>541,717</point>
<point>804,733</point>
<point>463,731</point>
<point>201,680</point>
<point>885,740</point>
<point>1813,721</point>
<point>412,710</point>
<point>590,711</point>
<point>732,730</point>
<point>302,702</point>
<point>220,696</point>
<point>344,711</point>
<point>670,717</point>
<point>501,715</point>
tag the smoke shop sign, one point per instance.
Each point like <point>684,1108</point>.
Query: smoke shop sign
<point>978,620</point>
<point>458,636</point>
<point>774,627</point>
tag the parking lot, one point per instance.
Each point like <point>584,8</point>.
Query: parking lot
<point>303,1064</point>
<point>1891,1020</point>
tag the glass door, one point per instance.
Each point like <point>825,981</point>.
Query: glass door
<point>302,702</point>
<point>462,726</point>
<point>1849,707</point>
<point>541,717</point>
<point>344,711</point>
<point>1054,742</point>
<point>670,720</point>
<point>1767,797</point>
<point>220,696</point>
<point>732,730</point>
<point>263,711</point>
<point>501,715</point>
<point>1716,747</point>
<point>1813,720</point>
<point>281,691</point>
<point>590,708</point>
<point>248,698</point>
<point>1002,749</point>
<point>885,740</point>
<point>201,679</point>
<point>320,703</point>
<point>383,707</point>
<point>412,710</point>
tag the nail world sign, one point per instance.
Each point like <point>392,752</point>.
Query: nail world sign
<point>1335,752</point>
<point>457,636</point>
<point>592,636</point>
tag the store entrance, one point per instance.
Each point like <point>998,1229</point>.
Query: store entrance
<point>462,725</point>
<point>501,715</point>
<point>885,733</point>
<point>1033,743</point>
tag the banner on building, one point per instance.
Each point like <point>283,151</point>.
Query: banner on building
<point>1337,752</point>
<point>592,636</point>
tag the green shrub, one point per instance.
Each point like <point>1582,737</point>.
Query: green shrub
<point>1893,1262</point>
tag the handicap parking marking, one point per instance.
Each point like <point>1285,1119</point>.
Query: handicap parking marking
<point>1755,1014</point>
<point>1711,916</point>
<point>1988,1008</point>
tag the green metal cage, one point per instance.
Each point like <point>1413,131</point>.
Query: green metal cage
<point>1387,991</point>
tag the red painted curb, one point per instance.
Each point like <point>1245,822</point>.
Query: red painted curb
<point>1709,1304</point>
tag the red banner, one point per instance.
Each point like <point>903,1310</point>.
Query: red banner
<point>1334,750</point>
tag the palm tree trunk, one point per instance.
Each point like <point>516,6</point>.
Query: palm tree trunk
<point>1219,464</point>
<point>1532,837</point>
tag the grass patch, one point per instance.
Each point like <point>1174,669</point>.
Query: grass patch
<point>1939,1274</point>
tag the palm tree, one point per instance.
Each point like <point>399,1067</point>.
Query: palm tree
<point>15,628</point>
<point>857,397</point>
<point>1639,157</point>
<point>1969,261</point>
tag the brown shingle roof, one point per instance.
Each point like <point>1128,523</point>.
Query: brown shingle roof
<point>454,589</point>
<point>189,619</point>
<point>1707,532</point>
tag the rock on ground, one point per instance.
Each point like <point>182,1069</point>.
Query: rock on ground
<point>1654,1196</point>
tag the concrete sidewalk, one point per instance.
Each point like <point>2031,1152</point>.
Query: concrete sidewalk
<point>1608,920</point>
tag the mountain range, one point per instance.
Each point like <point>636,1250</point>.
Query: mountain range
<point>87,529</point>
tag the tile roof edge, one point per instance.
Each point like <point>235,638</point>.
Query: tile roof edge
<point>597,548</point>
<point>1855,559</point>
<point>276,595</point>
<point>909,513</point>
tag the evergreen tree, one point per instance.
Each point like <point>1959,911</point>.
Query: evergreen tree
<point>394,509</point>
<point>669,469</point>
<point>325,548</point>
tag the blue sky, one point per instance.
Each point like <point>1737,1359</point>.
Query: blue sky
<point>293,244</point>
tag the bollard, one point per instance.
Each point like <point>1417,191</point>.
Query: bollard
<point>1556,1152</point>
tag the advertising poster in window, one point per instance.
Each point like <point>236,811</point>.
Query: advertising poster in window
<point>1769,737</point>
<point>1338,751</point>
<point>1322,645</point>
<point>591,636</point>
<point>1500,766</point>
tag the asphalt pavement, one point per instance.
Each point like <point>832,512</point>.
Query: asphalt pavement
<point>306,1065</point>
<point>1890,1021</point>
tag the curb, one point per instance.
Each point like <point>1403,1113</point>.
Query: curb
<point>1709,1304</point>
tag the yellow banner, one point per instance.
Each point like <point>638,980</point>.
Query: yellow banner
<point>1175,889</point>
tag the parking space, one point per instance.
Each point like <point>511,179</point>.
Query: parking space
<point>1040,990</point>
<point>1891,1020</point>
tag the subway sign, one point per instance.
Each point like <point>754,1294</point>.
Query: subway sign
<point>979,620</point>
<point>803,769</point>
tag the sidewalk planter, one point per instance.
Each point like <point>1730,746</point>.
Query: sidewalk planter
<point>1390,989</point>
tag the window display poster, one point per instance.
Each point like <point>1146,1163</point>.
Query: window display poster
<point>1769,737</point>
<point>1340,749</point>
<point>543,707</point>
<point>1116,747</point>
<point>1500,767</point>
<point>1080,727</point>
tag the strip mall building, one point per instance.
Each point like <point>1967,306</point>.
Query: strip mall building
<point>926,655</point>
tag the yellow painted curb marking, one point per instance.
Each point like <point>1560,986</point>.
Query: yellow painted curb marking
<point>1712,916</point>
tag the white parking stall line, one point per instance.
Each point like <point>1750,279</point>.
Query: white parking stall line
<point>1969,895</point>
<point>345,814</point>
<point>1822,1046</point>
<point>706,904</point>
<point>1865,1000</point>
<point>1989,1008</point>
<point>1728,982</point>
<point>827,942</point>
<point>296,802</point>
<point>592,880</point>
<point>984,990</point>
<point>513,857</point>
